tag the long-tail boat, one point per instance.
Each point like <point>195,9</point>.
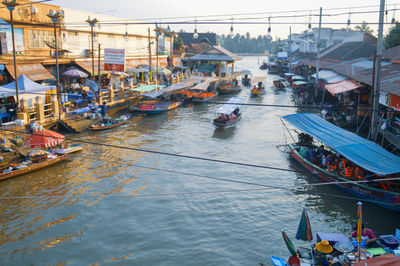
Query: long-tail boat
<point>25,167</point>
<point>381,167</point>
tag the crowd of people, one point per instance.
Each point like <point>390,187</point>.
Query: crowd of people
<point>337,164</point>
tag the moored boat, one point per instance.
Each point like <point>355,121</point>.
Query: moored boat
<point>378,165</point>
<point>109,123</point>
<point>31,165</point>
<point>229,114</point>
<point>230,85</point>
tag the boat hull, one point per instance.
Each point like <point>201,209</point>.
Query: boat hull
<point>99,127</point>
<point>390,200</point>
<point>33,167</point>
<point>230,89</point>
<point>226,124</point>
<point>156,109</point>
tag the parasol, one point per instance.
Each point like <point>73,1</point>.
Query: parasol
<point>304,230</point>
<point>45,138</point>
<point>75,73</point>
<point>289,244</point>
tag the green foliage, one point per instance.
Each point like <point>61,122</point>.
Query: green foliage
<point>244,43</point>
<point>393,37</point>
<point>364,27</point>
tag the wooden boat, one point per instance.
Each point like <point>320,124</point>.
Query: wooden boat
<point>259,87</point>
<point>280,84</point>
<point>246,77</point>
<point>30,166</point>
<point>154,106</point>
<point>229,114</point>
<point>366,154</point>
<point>204,97</point>
<point>109,123</point>
<point>229,88</point>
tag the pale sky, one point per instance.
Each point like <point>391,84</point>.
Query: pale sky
<point>139,9</point>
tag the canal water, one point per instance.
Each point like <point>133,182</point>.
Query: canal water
<point>108,205</point>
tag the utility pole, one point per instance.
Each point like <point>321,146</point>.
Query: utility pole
<point>98,65</point>
<point>149,55</point>
<point>377,76</point>
<point>92,22</point>
<point>318,53</point>
<point>55,16</point>
<point>11,6</point>
<point>290,49</point>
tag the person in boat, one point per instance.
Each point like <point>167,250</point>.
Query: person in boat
<point>103,109</point>
<point>358,173</point>
<point>235,82</point>
<point>310,156</point>
<point>254,88</point>
<point>319,153</point>
<point>325,159</point>
<point>367,235</point>
<point>331,166</point>
<point>232,116</point>
<point>348,170</point>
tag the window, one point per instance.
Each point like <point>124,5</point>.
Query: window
<point>37,38</point>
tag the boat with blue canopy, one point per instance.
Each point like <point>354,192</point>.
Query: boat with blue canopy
<point>229,114</point>
<point>372,170</point>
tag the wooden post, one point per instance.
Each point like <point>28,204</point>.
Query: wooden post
<point>111,95</point>
<point>219,68</point>
<point>54,106</point>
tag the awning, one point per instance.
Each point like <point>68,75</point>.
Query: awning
<point>147,88</point>
<point>34,72</point>
<point>360,151</point>
<point>329,76</point>
<point>342,86</point>
<point>227,109</point>
<point>87,65</point>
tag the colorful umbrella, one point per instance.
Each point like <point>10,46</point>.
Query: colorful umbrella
<point>304,230</point>
<point>45,138</point>
<point>75,73</point>
<point>359,228</point>
<point>289,244</point>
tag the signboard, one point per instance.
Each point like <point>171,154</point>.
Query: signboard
<point>282,55</point>
<point>114,60</point>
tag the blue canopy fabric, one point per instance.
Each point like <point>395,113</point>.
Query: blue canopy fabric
<point>356,149</point>
<point>25,85</point>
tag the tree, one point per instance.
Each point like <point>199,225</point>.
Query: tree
<point>364,27</point>
<point>393,37</point>
<point>178,43</point>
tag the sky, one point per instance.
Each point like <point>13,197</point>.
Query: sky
<point>160,10</point>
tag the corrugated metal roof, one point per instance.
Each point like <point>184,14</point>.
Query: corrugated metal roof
<point>216,53</point>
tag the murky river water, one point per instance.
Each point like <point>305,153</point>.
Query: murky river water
<point>105,207</point>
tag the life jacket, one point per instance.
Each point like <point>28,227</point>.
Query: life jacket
<point>332,167</point>
<point>343,163</point>
<point>348,171</point>
<point>360,174</point>
<point>383,186</point>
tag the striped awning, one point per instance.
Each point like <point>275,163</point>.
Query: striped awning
<point>34,72</point>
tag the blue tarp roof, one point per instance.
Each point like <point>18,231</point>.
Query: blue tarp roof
<point>25,85</point>
<point>360,151</point>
